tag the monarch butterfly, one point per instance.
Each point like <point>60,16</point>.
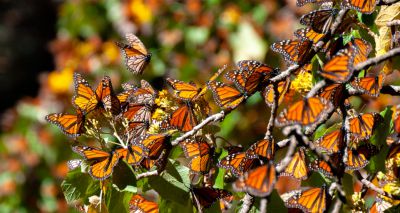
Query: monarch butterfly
<point>312,200</point>
<point>226,96</point>
<point>333,93</point>
<point>206,196</point>
<point>199,153</point>
<point>138,112</point>
<point>332,142</point>
<point>137,128</point>
<point>269,93</point>
<point>363,6</point>
<point>250,75</point>
<point>300,3</point>
<point>136,55</point>
<point>155,143</point>
<point>140,204</point>
<point>309,34</point>
<point>293,51</point>
<point>297,167</point>
<point>305,112</point>
<point>87,100</point>
<point>264,148</point>
<point>74,163</point>
<point>183,118</point>
<point>319,20</point>
<point>340,68</point>
<point>71,125</point>
<point>259,181</point>
<point>101,163</point>
<point>322,167</point>
<point>363,49</point>
<point>184,91</point>
<point>370,85</point>
<point>237,163</point>
<point>133,154</point>
<point>128,90</point>
<point>159,163</point>
<point>144,95</point>
<point>363,125</point>
<point>356,159</point>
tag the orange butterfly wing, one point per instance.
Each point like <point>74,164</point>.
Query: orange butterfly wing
<point>331,142</point>
<point>237,163</point>
<point>305,112</point>
<point>136,55</point>
<point>308,200</point>
<point>71,125</point>
<point>269,93</point>
<point>183,90</point>
<point>200,154</point>
<point>139,203</point>
<point>363,125</point>
<point>340,68</point>
<point>363,6</point>
<point>369,85</point>
<point>258,182</point>
<point>297,167</point>
<point>101,163</point>
<point>183,118</point>
<point>264,148</point>
<point>105,94</point>
<point>154,143</point>
<point>85,99</point>
<point>225,96</point>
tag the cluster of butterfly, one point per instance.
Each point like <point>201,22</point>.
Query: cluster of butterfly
<point>255,169</point>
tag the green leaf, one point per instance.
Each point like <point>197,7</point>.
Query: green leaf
<point>79,186</point>
<point>123,177</point>
<point>176,152</point>
<point>219,180</point>
<point>347,183</point>
<point>118,201</point>
<point>173,184</point>
<point>377,162</point>
<point>275,203</point>
<point>170,206</point>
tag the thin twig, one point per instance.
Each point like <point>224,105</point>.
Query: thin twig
<point>147,174</point>
<point>213,118</point>
<point>283,143</point>
<point>284,74</point>
<point>263,205</point>
<point>316,88</point>
<point>393,23</point>
<point>248,201</point>
<point>386,2</point>
<point>288,157</point>
<point>376,60</point>
<point>370,185</point>
<point>337,206</point>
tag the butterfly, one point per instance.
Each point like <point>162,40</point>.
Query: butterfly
<point>363,48</point>
<point>269,92</point>
<point>139,204</point>
<point>331,142</point>
<point>370,85</point>
<point>128,90</point>
<point>356,159</point>
<point>137,128</point>
<point>226,96</point>
<point>322,167</point>
<point>297,168</point>
<point>340,68</point>
<point>73,164</point>
<point>237,163</point>
<point>305,112</point>
<point>138,112</point>
<point>144,95</point>
<point>264,148</point>
<point>333,93</point>
<point>250,75</point>
<point>300,3</point>
<point>362,6</point>
<point>259,181</point>
<point>101,163</point>
<point>136,55</point>
<point>71,125</point>
<point>312,200</point>
<point>363,125</point>
<point>184,91</point>
<point>319,20</point>
<point>154,143</point>
<point>87,100</point>
<point>293,51</point>
<point>309,34</point>
<point>199,152</point>
<point>133,154</point>
<point>159,163</point>
<point>206,196</point>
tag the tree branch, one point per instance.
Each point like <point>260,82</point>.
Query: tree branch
<point>147,174</point>
<point>213,118</point>
<point>376,60</point>
<point>248,201</point>
<point>393,23</point>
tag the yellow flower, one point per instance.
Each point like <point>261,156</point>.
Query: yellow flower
<point>159,115</point>
<point>302,83</point>
<point>60,81</point>
<point>140,11</point>
<point>231,15</point>
<point>358,202</point>
<point>110,52</point>
<point>392,188</point>
<point>154,128</point>
<point>164,100</point>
